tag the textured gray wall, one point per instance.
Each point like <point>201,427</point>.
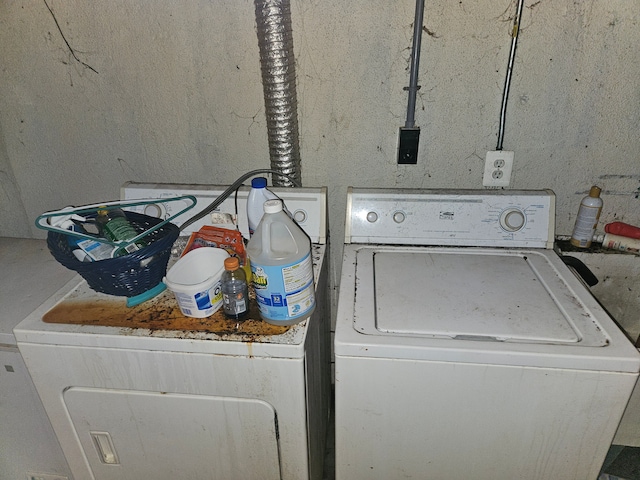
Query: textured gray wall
<point>170,92</point>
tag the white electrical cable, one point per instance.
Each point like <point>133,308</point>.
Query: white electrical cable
<point>507,81</point>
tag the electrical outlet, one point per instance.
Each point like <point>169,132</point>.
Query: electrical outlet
<point>497,168</point>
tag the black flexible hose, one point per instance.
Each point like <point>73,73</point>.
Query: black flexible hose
<point>234,186</point>
<point>581,269</point>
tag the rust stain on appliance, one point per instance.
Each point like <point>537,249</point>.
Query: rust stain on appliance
<point>159,313</point>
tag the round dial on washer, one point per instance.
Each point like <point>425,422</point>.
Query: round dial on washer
<point>399,217</point>
<point>372,217</point>
<point>512,219</point>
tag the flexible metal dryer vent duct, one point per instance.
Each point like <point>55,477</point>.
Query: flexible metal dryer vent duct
<point>275,39</point>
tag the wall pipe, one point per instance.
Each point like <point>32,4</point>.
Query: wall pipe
<point>415,61</point>
<point>277,62</point>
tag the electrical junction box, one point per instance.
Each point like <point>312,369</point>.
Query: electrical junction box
<point>408,146</point>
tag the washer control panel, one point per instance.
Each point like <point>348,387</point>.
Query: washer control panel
<point>499,218</point>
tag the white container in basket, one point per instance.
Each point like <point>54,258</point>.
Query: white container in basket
<point>195,281</point>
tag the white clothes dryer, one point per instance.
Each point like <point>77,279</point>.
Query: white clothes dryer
<point>464,346</point>
<point>144,392</point>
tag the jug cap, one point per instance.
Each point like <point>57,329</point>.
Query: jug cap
<point>259,182</point>
<point>272,206</point>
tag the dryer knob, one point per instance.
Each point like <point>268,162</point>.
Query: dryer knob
<point>300,216</point>
<point>372,217</point>
<point>155,210</point>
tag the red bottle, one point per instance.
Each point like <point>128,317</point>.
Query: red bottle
<point>622,229</point>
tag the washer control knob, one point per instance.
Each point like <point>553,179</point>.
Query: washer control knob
<point>512,220</point>
<point>399,217</point>
<point>372,217</point>
<point>300,216</point>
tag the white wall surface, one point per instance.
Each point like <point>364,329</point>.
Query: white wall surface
<point>170,92</point>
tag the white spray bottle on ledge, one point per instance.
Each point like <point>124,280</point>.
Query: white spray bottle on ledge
<point>588,216</point>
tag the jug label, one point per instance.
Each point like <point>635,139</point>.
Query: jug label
<point>284,292</point>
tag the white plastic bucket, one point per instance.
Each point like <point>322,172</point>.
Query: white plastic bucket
<point>195,281</point>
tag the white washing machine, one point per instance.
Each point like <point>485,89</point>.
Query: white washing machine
<point>144,392</point>
<point>465,348</point>
<point>28,447</point>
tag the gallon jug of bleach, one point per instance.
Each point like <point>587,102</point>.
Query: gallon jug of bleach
<point>280,256</point>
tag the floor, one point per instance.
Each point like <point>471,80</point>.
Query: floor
<point>622,463</point>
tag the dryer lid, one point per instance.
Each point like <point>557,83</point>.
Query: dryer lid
<point>469,294</point>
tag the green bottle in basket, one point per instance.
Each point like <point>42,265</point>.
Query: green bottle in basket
<point>113,225</point>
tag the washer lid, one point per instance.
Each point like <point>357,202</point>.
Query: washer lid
<point>470,294</point>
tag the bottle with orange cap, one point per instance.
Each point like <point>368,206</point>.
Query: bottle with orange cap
<point>235,292</point>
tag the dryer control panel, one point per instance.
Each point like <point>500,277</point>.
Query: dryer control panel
<point>497,218</point>
<point>307,205</point>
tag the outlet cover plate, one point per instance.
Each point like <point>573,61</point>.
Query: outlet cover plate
<point>497,168</point>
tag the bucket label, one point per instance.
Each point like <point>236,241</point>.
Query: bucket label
<point>284,292</point>
<point>200,304</point>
